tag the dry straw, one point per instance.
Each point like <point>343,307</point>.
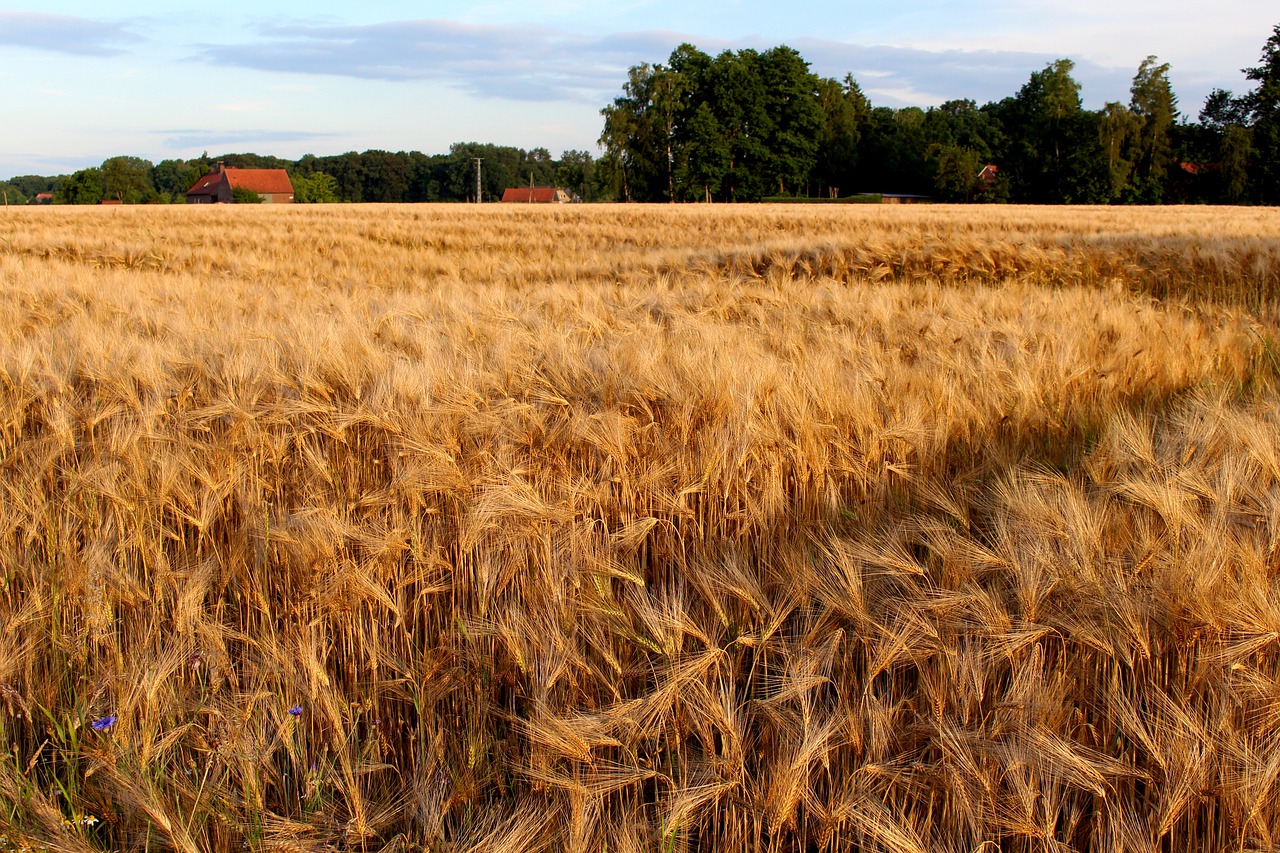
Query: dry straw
<point>758,528</point>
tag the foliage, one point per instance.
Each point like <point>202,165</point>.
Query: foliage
<point>1154,108</point>
<point>1118,130</point>
<point>575,173</point>
<point>846,113</point>
<point>1054,153</point>
<point>174,177</point>
<point>244,195</point>
<point>12,194</point>
<point>84,187</point>
<point>734,127</point>
<point>750,124</point>
<point>32,185</point>
<point>314,188</point>
<point>1264,109</point>
<point>127,179</point>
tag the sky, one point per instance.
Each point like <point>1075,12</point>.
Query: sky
<point>84,80</point>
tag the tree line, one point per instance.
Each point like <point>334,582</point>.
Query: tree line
<point>370,176</point>
<point>750,125</point>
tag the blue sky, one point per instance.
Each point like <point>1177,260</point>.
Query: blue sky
<point>84,80</point>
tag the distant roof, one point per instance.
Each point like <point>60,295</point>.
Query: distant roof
<point>540,194</point>
<point>259,180</point>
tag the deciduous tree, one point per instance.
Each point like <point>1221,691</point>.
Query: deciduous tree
<point>1154,106</point>
<point>316,188</point>
<point>127,179</point>
<point>83,187</point>
<point>846,112</point>
<point>1264,108</point>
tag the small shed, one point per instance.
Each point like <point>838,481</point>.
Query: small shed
<point>536,195</point>
<point>216,187</point>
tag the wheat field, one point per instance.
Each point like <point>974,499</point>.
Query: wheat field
<point>615,528</point>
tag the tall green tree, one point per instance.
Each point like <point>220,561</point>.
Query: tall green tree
<point>575,172</point>
<point>735,92</point>
<point>1222,109</point>
<point>127,179</point>
<point>1118,130</point>
<point>1054,155</point>
<point>706,158</point>
<point>1154,106</point>
<point>1223,141</point>
<point>893,153</point>
<point>739,126</point>
<point>846,112</point>
<point>1264,109</point>
<point>792,103</point>
<point>633,136</point>
<point>83,187</point>
<point>1053,98</point>
<point>1234,155</point>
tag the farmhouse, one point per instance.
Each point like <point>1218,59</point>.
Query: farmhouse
<point>217,186</point>
<point>536,195</point>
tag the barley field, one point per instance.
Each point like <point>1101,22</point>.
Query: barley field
<point>446,528</point>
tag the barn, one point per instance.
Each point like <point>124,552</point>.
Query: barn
<point>217,187</point>
<point>536,195</point>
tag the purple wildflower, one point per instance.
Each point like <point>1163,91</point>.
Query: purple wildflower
<point>295,711</point>
<point>103,723</point>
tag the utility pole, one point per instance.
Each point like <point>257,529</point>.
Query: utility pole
<point>479,196</point>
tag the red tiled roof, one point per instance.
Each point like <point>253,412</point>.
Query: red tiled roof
<point>540,194</point>
<point>264,181</point>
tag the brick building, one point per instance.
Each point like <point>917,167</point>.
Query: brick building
<point>217,186</point>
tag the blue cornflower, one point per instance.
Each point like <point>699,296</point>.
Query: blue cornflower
<point>103,723</point>
<point>295,711</point>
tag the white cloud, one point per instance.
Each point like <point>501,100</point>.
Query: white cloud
<point>501,61</point>
<point>535,63</point>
